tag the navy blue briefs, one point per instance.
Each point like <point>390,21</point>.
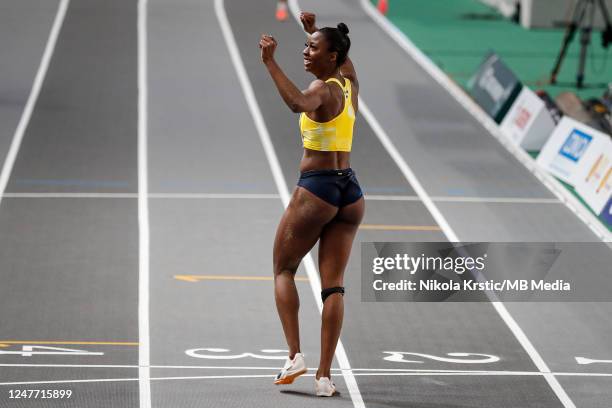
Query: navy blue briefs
<point>337,187</point>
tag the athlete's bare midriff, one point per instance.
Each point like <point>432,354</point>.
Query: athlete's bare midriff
<point>316,160</point>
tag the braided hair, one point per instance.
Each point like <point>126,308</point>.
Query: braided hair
<point>338,41</point>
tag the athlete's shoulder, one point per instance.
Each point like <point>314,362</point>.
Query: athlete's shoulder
<point>317,84</point>
<point>320,87</point>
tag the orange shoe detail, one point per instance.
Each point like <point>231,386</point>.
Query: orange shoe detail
<point>290,378</point>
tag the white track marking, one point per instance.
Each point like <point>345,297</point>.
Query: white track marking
<point>144,382</point>
<point>400,356</point>
<point>240,196</point>
<point>460,199</point>
<point>433,373</point>
<point>70,381</point>
<point>584,360</point>
<point>70,195</point>
<point>283,190</point>
<point>464,100</point>
<point>255,196</point>
<point>11,156</point>
<point>275,368</point>
<point>494,200</point>
<point>450,234</point>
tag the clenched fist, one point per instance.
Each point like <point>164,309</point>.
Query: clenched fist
<point>308,22</point>
<point>267,44</point>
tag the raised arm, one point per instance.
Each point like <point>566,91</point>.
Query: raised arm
<point>347,69</point>
<point>298,101</point>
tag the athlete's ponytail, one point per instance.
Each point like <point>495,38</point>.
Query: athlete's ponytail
<point>338,41</point>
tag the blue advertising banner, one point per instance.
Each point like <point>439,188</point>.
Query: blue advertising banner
<point>606,214</point>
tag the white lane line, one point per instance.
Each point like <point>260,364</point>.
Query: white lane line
<point>255,196</point>
<point>70,381</point>
<point>420,373</point>
<point>275,368</point>
<point>283,190</point>
<point>11,156</point>
<point>70,195</point>
<point>240,196</point>
<point>144,382</point>
<point>460,199</point>
<point>450,234</point>
<point>496,200</point>
<point>464,100</point>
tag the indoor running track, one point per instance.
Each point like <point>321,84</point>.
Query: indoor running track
<point>90,226</point>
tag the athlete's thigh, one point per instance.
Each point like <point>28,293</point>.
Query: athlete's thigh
<point>300,228</point>
<point>336,243</point>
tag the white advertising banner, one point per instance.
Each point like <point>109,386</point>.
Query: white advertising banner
<point>528,122</point>
<point>563,153</point>
<point>594,181</point>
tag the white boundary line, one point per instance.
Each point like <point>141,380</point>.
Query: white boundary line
<point>144,374</point>
<point>70,195</point>
<point>365,374</point>
<point>439,76</point>
<point>283,190</point>
<point>255,196</point>
<point>450,234</point>
<point>382,370</point>
<point>460,199</point>
<point>247,196</point>
<point>11,156</point>
<point>495,200</point>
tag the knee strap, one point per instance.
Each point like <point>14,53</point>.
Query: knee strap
<point>325,293</point>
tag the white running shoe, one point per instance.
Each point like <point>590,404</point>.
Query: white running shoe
<point>292,370</point>
<point>324,387</point>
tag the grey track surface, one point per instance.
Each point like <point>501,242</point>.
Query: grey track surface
<point>210,145</point>
<point>515,222</point>
<point>78,257</point>
<point>24,29</point>
<point>68,264</point>
<point>94,395</point>
<point>192,131</point>
<point>369,330</point>
<point>452,154</point>
<point>73,141</point>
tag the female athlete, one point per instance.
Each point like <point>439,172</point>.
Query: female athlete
<point>327,205</point>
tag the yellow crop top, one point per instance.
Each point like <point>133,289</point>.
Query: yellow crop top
<point>335,135</point>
